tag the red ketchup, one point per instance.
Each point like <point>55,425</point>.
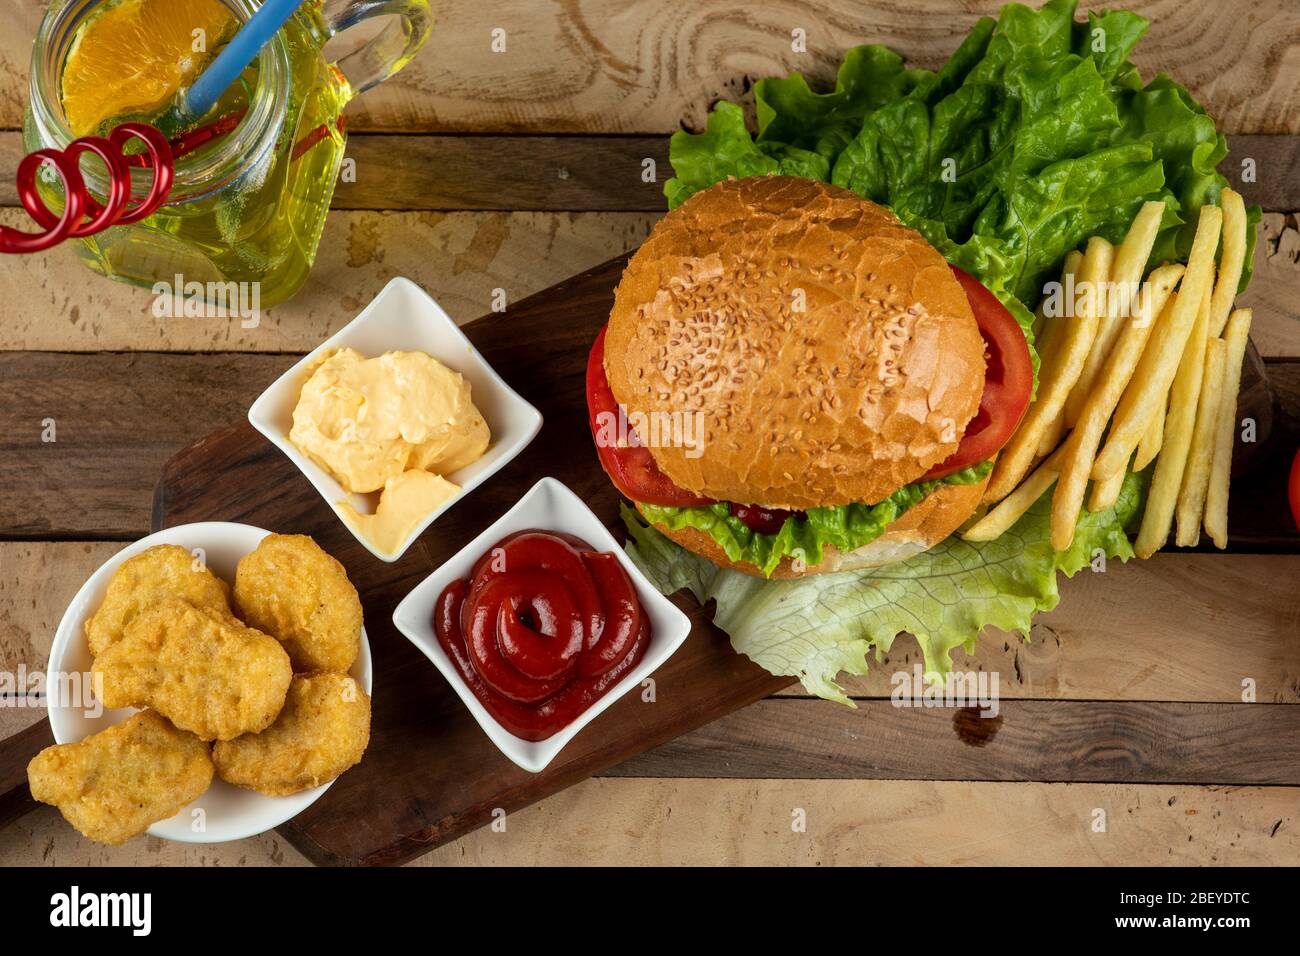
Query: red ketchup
<point>543,627</point>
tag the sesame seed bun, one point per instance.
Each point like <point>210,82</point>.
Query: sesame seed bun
<point>830,352</point>
<point>921,527</point>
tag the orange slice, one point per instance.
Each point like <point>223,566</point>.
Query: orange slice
<point>133,57</point>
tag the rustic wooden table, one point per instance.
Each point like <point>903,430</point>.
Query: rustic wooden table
<point>479,171</point>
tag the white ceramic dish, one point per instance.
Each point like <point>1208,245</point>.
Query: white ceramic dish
<point>551,506</point>
<point>228,812</point>
<point>404,317</point>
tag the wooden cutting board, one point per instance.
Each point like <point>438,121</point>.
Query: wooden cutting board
<point>430,774</point>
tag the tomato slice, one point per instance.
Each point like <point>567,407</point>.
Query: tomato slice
<point>764,520</point>
<point>1008,381</point>
<point>631,468</point>
<point>1294,489</point>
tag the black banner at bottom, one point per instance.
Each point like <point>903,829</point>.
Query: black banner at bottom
<point>516,905</point>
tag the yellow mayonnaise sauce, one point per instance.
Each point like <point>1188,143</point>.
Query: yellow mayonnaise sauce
<point>396,424</point>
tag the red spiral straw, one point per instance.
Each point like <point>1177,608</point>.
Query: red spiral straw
<point>192,140</point>
<point>120,209</point>
<point>82,214</point>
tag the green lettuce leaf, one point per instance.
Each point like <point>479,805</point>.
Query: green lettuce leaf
<point>790,112</point>
<point>846,527</point>
<point>820,626</point>
<point>1037,134</point>
<point>1020,152</point>
<point>1184,140</point>
<point>725,150</point>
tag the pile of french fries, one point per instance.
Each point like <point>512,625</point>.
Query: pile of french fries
<point>1142,371</point>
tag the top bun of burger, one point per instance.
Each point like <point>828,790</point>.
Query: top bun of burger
<point>831,352</point>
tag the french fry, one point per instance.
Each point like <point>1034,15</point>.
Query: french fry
<point>1052,435</point>
<point>1162,358</point>
<point>1152,439</point>
<point>1232,260</point>
<point>1105,493</point>
<point>1050,331</point>
<point>1162,498</point>
<point>1009,509</point>
<point>1081,448</point>
<point>1216,496</point>
<point>1200,455</point>
<point>1055,380</point>
<point>1234,254</point>
<point>1126,273</point>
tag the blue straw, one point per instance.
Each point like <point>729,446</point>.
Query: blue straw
<point>226,68</point>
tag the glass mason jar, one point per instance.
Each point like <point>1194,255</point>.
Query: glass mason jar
<point>249,207</point>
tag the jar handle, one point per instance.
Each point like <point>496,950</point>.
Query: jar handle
<point>386,53</point>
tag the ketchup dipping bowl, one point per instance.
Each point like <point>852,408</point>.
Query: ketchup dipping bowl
<point>548,506</point>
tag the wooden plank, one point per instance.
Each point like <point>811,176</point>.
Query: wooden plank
<point>606,173</point>
<point>460,258</point>
<point>44,838</point>
<point>551,173</point>
<point>1043,740</point>
<point>29,616</point>
<point>112,437</point>
<point>1275,329</point>
<point>17,751</point>
<point>50,302</point>
<point>1273,163</point>
<point>1287,376</point>
<point>712,822</point>
<point>642,66</point>
<point>16,717</point>
<point>1143,631</point>
<point>613,822</point>
<point>1171,628</point>
<point>123,414</point>
<point>587,823</point>
<point>488,173</point>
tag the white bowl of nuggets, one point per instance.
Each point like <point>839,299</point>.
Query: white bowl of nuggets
<point>200,712</point>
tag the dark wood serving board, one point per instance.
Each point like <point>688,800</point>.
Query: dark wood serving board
<point>430,774</point>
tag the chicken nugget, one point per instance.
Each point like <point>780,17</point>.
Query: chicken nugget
<point>204,672</point>
<point>294,591</point>
<point>114,784</point>
<point>163,571</point>
<point>322,731</point>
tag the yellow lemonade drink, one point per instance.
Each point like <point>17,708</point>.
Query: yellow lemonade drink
<point>249,204</point>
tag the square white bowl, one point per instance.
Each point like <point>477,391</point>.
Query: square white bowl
<point>549,505</point>
<point>403,317</point>
<point>228,812</point>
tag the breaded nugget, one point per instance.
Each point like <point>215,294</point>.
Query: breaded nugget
<point>163,571</point>
<point>322,731</point>
<point>294,591</point>
<point>114,784</point>
<point>204,672</point>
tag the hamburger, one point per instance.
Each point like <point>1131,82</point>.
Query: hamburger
<point>793,382</point>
